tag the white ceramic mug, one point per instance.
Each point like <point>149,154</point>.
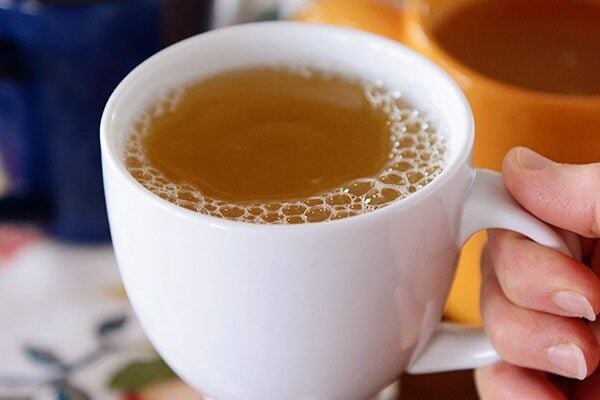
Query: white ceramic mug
<point>325,311</point>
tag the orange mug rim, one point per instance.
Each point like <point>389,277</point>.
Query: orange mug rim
<point>472,74</point>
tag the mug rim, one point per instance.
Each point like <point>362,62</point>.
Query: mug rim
<point>114,161</point>
<point>466,72</point>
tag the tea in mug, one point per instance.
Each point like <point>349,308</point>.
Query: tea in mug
<point>545,45</point>
<point>284,145</point>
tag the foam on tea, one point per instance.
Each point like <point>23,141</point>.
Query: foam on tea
<point>269,145</point>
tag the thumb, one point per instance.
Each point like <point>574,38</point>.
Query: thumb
<point>564,195</point>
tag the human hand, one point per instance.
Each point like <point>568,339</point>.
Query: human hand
<point>537,303</point>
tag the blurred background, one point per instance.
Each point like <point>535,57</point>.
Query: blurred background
<point>66,329</point>
<point>59,62</point>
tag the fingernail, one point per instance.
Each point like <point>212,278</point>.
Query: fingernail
<point>569,359</point>
<point>530,160</point>
<point>575,304</point>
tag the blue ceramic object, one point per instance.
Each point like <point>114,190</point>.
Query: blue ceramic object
<point>71,55</point>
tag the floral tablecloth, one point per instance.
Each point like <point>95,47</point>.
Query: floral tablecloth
<point>67,331</point>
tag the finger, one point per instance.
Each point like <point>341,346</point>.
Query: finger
<point>563,195</point>
<point>502,381</point>
<point>590,388</point>
<point>538,278</point>
<point>533,339</point>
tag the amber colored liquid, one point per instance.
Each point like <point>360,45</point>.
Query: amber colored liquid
<point>545,45</point>
<point>260,134</point>
<point>269,145</point>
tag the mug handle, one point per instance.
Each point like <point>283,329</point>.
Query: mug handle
<point>486,205</point>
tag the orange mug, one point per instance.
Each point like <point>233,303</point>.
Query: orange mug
<point>565,128</point>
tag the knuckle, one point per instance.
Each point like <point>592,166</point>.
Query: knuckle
<point>505,254</point>
<point>501,331</point>
<point>503,338</point>
<point>500,245</point>
<point>499,336</point>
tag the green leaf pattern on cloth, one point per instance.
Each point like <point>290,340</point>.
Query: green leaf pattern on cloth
<point>41,356</point>
<point>139,375</point>
<point>70,392</point>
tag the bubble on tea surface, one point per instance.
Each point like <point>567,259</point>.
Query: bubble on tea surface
<point>417,155</point>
